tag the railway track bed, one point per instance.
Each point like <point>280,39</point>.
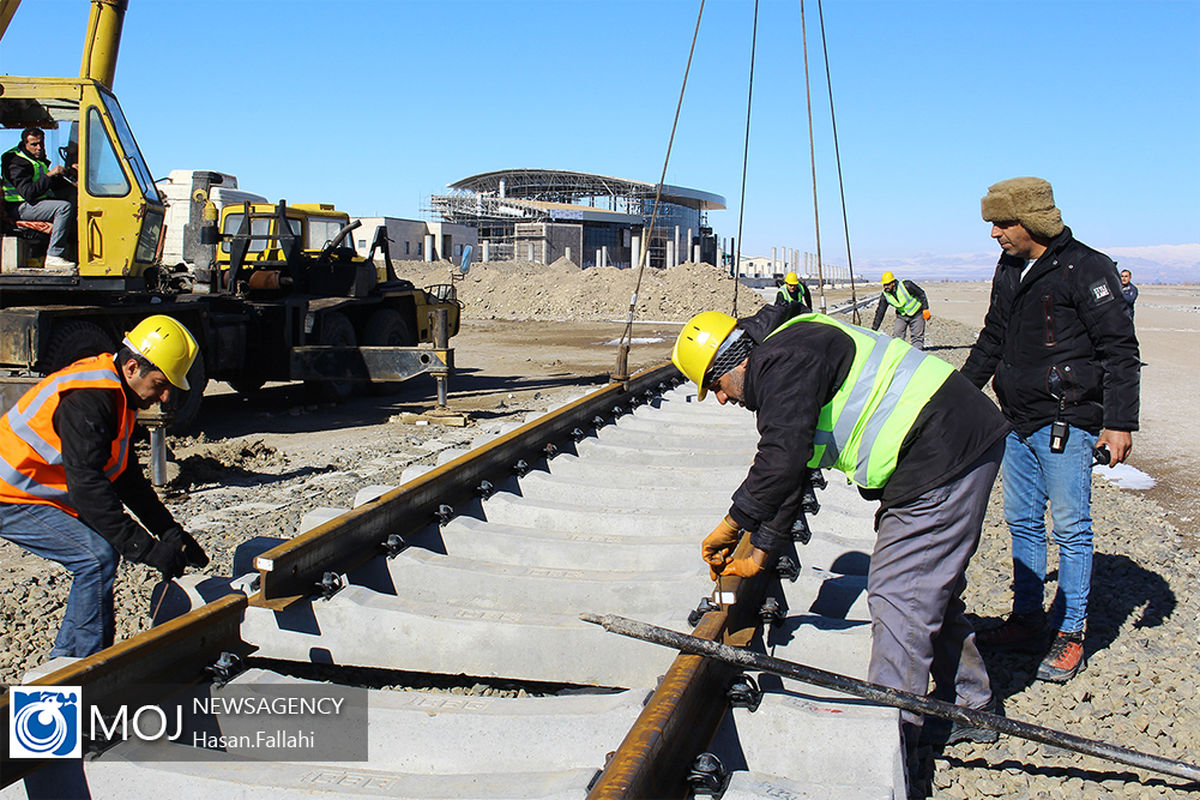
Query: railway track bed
<point>493,554</point>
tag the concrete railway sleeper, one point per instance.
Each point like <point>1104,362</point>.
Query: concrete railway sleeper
<point>476,570</point>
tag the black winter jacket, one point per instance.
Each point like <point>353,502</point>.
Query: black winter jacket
<point>19,173</point>
<point>86,422</point>
<point>1063,327</point>
<point>789,379</point>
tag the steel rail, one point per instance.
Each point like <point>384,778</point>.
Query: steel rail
<point>653,760</point>
<point>683,714</point>
<point>291,570</point>
<point>178,651</point>
<point>742,658</point>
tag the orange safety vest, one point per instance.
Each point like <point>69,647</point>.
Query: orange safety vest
<point>31,465</point>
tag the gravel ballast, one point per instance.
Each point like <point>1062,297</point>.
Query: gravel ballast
<point>1139,689</point>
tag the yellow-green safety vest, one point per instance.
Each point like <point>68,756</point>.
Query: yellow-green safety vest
<point>860,431</point>
<point>783,292</point>
<point>904,302</point>
<point>11,195</point>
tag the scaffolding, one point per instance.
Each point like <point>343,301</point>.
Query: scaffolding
<point>495,203</point>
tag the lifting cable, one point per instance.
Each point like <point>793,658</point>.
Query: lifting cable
<point>854,315</point>
<point>622,369</point>
<point>812,155</point>
<point>737,259</point>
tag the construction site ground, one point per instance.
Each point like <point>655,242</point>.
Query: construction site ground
<point>257,464</point>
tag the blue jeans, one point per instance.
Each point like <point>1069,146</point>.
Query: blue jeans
<point>61,215</point>
<point>89,621</point>
<point>1032,475</point>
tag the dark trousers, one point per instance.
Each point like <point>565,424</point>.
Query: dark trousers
<point>915,585</point>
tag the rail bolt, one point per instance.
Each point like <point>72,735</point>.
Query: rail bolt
<point>597,421</point>
<point>771,611</point>
<point>800,530</point>
<point>787,568</point>
<point>706,605</point>
<point>485,489</point>
<point>550,450</point>
<point>225,667</point>
<point>617,411</point>
<point>393,545</point>
<point>809,503</point>
<point>520,468</point>
<point>743,692</point>
<point>578,435</point>
<point>329,585</point>
<point>444,514</point>
<point>817,479</point>
<point>708,776</point>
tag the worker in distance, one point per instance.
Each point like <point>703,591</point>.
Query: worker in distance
<point>912,309</point>
<point>68,471</point>
<point>909,430</point>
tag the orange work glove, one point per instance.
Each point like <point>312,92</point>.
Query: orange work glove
<point>926,314</point>
<point>718,545</point>
<point>747,567</point>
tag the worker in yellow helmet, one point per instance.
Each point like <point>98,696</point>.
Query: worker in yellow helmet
<point>793,292</point>
<point>912,309</point>
<point>908,429</point>
<point>68,471</point>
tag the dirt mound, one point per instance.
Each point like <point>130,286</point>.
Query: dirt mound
<point>562,291</point>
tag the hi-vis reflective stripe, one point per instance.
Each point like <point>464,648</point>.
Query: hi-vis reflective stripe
<point>19,480</point>
<point>906,370</point>
<point>20,420</point>
<point>860,393</point>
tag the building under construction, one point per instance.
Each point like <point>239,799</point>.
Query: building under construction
<point>542,215</point>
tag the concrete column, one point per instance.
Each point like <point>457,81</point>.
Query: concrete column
<point>774,261</point>
<point>635,251</point>
<point>695,254</point>
<point>675,250</point>
<point>429,239</point>
<point>530,249</point>
<point>486,248</point>
<point>567,252</point>
<point>687,247</point>
<point>597,262</point>
<point>670,253</point>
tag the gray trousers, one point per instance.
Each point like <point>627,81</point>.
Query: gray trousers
<point>59,212</point>
<point>915,585</point>
<point>915,325</point>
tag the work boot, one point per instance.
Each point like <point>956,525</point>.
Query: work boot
<point>966,732</point>
<point>1065,659</point>
<point>1018,632</point>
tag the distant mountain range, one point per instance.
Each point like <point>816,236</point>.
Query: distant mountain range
<point>1166,263</point>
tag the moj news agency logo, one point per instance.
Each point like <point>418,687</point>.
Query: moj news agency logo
<point>44,722</point>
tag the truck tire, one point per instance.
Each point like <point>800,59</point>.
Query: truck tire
<point>73,340</point>
<point>187,404</point>
<point>387,327</point>
<point>336,331</point>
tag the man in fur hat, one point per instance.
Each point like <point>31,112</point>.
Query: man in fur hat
<point>1062,356</point>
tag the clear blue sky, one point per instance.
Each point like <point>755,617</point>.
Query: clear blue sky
<point>376,104</point>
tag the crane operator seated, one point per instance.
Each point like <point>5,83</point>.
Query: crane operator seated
<point>36,191</point>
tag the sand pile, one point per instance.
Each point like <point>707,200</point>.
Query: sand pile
<point>563,291</point>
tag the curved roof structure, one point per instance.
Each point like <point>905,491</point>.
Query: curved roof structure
<point>568,186</point>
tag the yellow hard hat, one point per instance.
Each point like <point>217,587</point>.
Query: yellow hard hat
<point>887,278</point>
<point>167,345</point>
<point>697,345</point>
<point>791,279</point>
